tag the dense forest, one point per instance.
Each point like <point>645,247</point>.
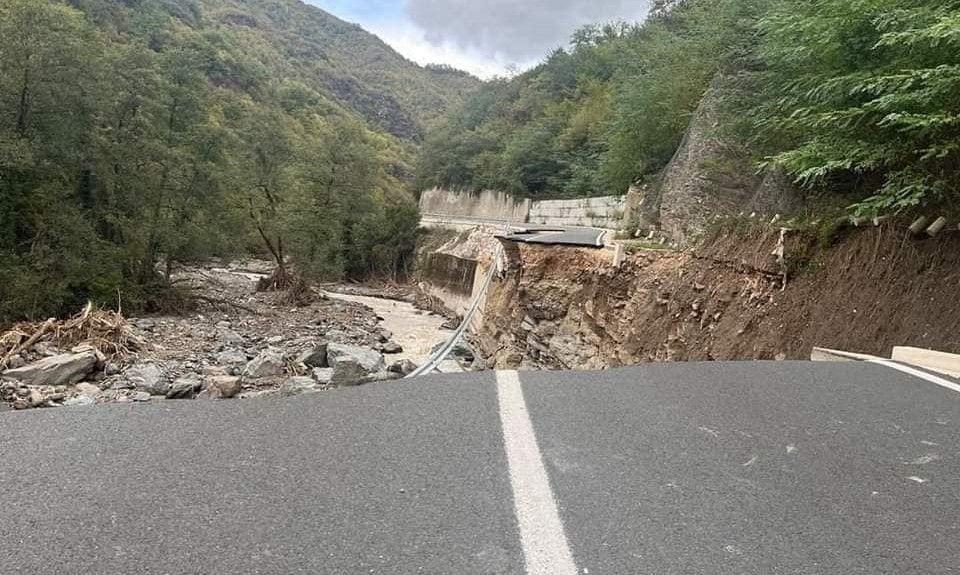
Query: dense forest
<point>859,99</point>
<point>135,134</point>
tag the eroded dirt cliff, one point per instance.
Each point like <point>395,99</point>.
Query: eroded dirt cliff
<point>869,290</point>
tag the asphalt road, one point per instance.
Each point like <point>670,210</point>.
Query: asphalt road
<point>751,468</point>
<point>546,235</point>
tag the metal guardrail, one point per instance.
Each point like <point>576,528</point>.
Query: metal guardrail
<point>441,354</point>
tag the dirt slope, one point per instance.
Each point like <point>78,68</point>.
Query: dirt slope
<point>871,290</point>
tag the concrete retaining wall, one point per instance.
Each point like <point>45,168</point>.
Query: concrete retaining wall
<point>458,210</point>
<point>606,212</point>
<point>485,205</point>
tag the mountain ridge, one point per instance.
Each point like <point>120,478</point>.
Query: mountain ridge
<point>352,66</point>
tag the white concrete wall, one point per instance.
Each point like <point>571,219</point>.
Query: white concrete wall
<point>605,212</point>
<point>461,210</point>
<point>486,205</point>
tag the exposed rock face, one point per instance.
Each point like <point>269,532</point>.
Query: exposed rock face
<point>709,175</point>
<point>64,369</point>
<point>268,364</point>
<point>569,309</point>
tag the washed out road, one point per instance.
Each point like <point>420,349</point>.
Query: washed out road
<point>743,468</point>
<point>556,236</point>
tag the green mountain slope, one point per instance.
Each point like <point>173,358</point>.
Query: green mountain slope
<point>136,134</point>
<point>855,101</point>
<point>261,39</point>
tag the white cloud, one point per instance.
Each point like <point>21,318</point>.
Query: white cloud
<point>518,29</point>
<point>412,42</point>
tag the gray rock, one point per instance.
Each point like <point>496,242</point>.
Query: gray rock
<point>232,358</point>
<point>65,369</point>
<point>184,388</point>
<point>222,387</point>
<point>79,401</point>
<point>369,360</point>
<point>351,364</point>
<point>382,376</point>
<point>460,351</point>
<point>46,349</point>
<point>268,364</point>
<point>275,340</point>
<point>298,386</point>
<point>259,394</point>
<point>337,335</point>
<point>315,357</point>
<point>385,335</point>
<point>111,369</point>
<point>142,397</point>
<point>404,367</point>
<point>87,389</point>
<point>349,372</point>
<point>9,388</point>
<point>147,377</point>
<point>32,399</point>
<point>392,348</point>
<point>16,362</point>
<point>229,336</point>
<point>145,324</point>
<point>323,375</point>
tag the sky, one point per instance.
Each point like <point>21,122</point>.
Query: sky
<point>484,37</point>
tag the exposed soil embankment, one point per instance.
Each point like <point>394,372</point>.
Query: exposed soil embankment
<point>871,290</point>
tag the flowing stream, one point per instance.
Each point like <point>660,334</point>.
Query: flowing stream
<point>416,331</point>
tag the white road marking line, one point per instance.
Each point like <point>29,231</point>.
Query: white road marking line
<point>917,373</point>
<point>545,546</point>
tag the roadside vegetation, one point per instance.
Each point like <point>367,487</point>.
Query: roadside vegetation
<point>136,135</point>
<point>855,100</point>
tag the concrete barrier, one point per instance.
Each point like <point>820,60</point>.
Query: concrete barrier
<point>605,212</point>
<point>461,209</point>
<point>938,361</point>
<point>487,205</point>
<point>825,354</point>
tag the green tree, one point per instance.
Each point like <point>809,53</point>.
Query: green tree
<point>864,96</point>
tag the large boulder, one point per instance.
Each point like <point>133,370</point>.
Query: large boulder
<point>349,372</point>
<point>268,364</point>
<point>64,369</point>
<point>368,359</point>
<point>404,367</point>
<point>221,387</point>
<point>185,387</point>
<point>352,365</point>
<point>391,348</point>
<point>315,356</point>
<point>323,375</point>
<point>147,377</point>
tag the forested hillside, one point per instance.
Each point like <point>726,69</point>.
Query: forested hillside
<point>857,100</point>
<point>138,133</point>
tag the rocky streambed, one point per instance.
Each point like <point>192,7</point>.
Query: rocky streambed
<point>239,343</point>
